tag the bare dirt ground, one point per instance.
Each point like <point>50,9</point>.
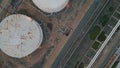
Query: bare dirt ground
<point>66,19</point>
<point>64,39</point>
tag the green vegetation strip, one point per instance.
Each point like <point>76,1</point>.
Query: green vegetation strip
<point>104,19</point>
<point>95,45</point>
<point>76,64</point>
<point>111,9</point>
<point>102,37</point>
<point>93,34</point>
<point>115,64</point>
<point>81,65</point>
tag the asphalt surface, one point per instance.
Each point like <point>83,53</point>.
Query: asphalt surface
<point>78,53</point>
<point>76,34</point>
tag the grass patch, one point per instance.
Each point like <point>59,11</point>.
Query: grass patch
<point>93,34</point>
<point>95,45</point>
<point>81,65</point>
<point>104,19</point>
<point>115,64</point>
<point>76,64</point>
<point>102,37</point>
<point>111,9</point>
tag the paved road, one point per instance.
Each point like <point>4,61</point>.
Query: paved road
<point>78,31</point>
<point>76,34</point>
<point>103,45</point>
<point>83,37</point>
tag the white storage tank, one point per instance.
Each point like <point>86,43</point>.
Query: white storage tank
<point>20,35</point>
<point>51,6</point>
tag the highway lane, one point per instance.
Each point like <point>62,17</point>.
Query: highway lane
<point>76,33</point>
<point>103,45</point>
<point>80,46</point>
<point>82,35</point>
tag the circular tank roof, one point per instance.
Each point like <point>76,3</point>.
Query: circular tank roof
<point>19,35</point>
<point>50,6</point>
